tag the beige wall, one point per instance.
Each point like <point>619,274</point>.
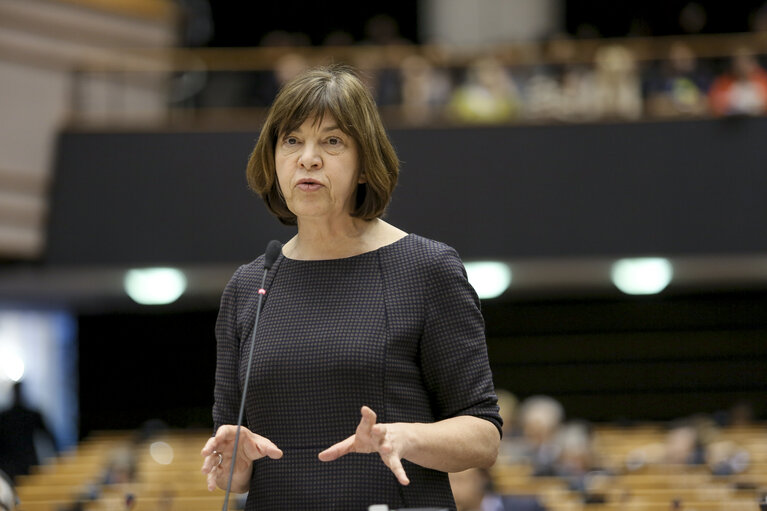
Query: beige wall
<point>481,22</point>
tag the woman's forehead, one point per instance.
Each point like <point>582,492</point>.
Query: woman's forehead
<point>319,120</point>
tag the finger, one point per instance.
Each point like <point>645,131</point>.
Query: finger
<point>210,463</point>
<point>209,446</point>
<point>223,437</point>
<point>365,427</point>
<point>337,450</point>
<point>227,432</point>
<point>395,465</point>
<point>267,448</point>
<point>211,480</point>
<point>368,417</point>
<point>257,447</point>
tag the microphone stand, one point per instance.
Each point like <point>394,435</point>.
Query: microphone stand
<point>272,252</point>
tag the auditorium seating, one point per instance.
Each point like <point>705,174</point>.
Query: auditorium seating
<point>168,481</point>
<point>167,476</point>
<point>651,487</point>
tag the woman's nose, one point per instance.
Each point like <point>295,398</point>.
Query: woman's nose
<point>310,157</point>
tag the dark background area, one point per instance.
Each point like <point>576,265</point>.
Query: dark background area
<point>145,364</point>
<point>653,18</point>
<point>620,359</point>
<point>246,23</point>
<point>651,188</point>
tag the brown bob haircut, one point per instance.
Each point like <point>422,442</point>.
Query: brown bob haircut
<point>334,90</point>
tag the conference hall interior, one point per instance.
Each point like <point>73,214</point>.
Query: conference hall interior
<point>598,166</point>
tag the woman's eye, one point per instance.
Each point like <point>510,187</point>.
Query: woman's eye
<point>334,141</point>
<point>291,140</point>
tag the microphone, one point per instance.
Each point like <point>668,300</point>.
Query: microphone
<point>273,249</point>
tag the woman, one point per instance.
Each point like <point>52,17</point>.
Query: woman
<point>364,326</point>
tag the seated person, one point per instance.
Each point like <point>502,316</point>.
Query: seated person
<point>473,491</point>
<point>743,89</point>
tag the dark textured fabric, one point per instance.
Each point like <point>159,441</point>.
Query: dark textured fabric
<point>397,329</point>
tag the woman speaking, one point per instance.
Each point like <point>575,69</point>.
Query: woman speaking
<point>370,374</point>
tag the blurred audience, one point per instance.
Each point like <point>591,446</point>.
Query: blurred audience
<point>692,441</point>
<point>537,436</point>
<point>473,491</point>
<point>122,466</point>
<point>743,89</point>
<point>556,81</point>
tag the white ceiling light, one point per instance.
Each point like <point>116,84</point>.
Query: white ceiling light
<point>11,365</point>
<point>642,276</point>
<point>490,279</point>
<point>155,286</point>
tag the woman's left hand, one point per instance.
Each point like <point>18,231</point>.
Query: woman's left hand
<point>388,440</point>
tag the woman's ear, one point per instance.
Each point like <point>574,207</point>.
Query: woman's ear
<point>362,179</point>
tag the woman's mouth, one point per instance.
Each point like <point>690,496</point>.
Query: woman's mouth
<point>308,185</point>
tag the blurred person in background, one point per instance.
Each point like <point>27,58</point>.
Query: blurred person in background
<point>684,443</point>
<point>473,490</point>
<point>563,90</point>
<point>743,89</point>
<point>360,319</point>
<point>263,84</point>
<point>542,96</point>
<point>726,457</point>
<point>577,99</point>
<point>579,461</point>
<point>487,95</point>
<point>425,90</point>
<point>383,33</point>
<point>683,446</point>
<point>618,92</point>
<point>681,87</point>
<point>540,418</point>
<point>24,437</point>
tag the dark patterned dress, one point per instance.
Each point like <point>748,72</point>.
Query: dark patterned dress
<point>397,329</point>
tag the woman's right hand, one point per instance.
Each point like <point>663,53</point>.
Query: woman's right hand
<point>251,447</point>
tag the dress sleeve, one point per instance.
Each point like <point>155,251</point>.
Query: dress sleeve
<point>226,393</point>
<point>454,359</point>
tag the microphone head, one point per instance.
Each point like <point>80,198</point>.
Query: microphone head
<point>273,250</point>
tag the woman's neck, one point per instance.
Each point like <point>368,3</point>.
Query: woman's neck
<point>319,240</point>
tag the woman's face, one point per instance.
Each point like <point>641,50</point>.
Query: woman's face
<point>318,169</point>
